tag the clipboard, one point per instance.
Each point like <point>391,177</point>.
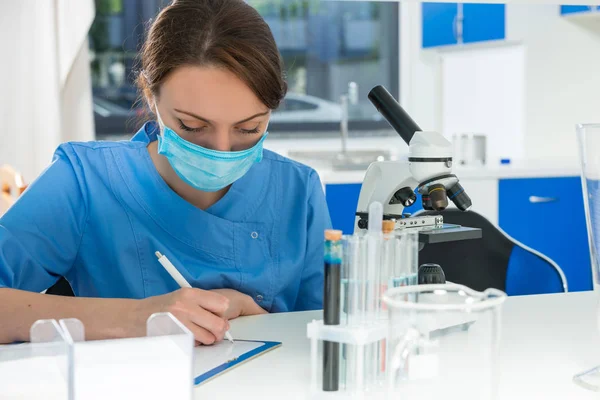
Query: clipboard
<point>212,361</point>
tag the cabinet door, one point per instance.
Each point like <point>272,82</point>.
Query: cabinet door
<point>342,200</point>
<point>547,214</point>
<point>483,22</point>
<point>575,9</point>
<point>438,24</point>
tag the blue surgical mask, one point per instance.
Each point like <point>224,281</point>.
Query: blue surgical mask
<point>205,169</point>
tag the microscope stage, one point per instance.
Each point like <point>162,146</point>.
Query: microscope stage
<point>448,233</point>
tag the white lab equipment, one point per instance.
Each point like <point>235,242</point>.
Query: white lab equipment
<point>469,149</point>
<point>39,369</point>
<point>158,366</point>
<point>588,136</point>
<point>442,342</point>
<point>428,169</point>
<point>371,263</point>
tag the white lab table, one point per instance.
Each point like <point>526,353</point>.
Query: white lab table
<point>545,340</point>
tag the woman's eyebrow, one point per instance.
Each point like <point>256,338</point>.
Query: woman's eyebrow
<point>209,122</point>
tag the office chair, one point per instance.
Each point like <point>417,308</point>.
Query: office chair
<point>61,288</point>
<point>494,261</point>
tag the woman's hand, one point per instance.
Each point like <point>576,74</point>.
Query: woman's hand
<point>240,304</point>
<point>202,312</point>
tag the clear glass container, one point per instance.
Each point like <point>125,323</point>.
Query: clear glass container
<point>588,136</point>
<point>442,342</point>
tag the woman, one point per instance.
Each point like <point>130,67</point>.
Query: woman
<point>244,226</point>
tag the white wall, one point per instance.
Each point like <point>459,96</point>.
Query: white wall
<point>420,73</point>
<point>562,75</point>
<point>483,91</point>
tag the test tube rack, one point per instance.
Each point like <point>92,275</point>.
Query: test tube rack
<point>371,264</point>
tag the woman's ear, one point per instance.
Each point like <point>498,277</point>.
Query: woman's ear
<point>151,102</point>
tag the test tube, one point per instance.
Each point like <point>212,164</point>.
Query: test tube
<point>371,285</point>
<point>374,236</point>
<point>331,313</point>
<point>387,260</point>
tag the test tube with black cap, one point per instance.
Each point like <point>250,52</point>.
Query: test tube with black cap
<point>331,307</point>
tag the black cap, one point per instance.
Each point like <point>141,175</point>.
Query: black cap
<point>431,274</point>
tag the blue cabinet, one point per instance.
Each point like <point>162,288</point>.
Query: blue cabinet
<point>483,22</point>
<point>452,23</point>
<point>547,214</point>
<point>342,200</point>
<point>439,24</point>
<point>565,10</point>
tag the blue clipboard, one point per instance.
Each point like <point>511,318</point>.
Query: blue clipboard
<point>267,346</point>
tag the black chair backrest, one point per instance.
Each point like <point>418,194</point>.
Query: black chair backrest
<point>61,288</point>
<point>478,264</point>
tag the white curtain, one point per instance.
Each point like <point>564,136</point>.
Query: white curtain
<point>45,83</point>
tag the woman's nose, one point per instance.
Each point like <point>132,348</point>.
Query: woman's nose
<point>219,141</point>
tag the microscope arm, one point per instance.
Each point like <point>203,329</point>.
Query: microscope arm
<point>382,181</point>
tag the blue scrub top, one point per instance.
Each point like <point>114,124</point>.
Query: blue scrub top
<point>100,211</point>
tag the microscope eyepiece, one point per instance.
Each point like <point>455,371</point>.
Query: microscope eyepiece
<point>437,194</point>
<point>459,197</point>
<point>391,110</point>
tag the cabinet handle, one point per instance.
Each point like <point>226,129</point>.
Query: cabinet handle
<point>454,28</point>
<point>457,31</point>
<point>538,199</point>
<point>457,23</point>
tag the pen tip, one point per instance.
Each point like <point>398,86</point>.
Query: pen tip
<point>158,254</point>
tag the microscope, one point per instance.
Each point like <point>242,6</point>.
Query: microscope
<point>428,171</point>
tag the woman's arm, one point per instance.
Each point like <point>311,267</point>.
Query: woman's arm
<point>198,309</point>
<point>102,318</point>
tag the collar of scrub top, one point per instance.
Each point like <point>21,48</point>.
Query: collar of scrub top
<point>241,203</point>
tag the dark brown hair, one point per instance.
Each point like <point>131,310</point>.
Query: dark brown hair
<point>221,33</point>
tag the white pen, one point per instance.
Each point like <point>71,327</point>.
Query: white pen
<point>176,275</point>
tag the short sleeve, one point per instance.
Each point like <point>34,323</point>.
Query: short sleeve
<point>41,233</point>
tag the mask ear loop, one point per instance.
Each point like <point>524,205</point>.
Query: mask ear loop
<point>160,121</point>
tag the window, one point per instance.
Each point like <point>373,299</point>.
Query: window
<point>297,105</point>
<point>325,45</point>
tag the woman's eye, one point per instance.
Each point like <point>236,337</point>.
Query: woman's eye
<point>250,131</point>
<point>189,129</point>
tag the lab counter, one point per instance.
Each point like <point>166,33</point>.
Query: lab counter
<point>544,341</point>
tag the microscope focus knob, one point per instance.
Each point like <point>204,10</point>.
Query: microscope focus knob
<point>363,223</point>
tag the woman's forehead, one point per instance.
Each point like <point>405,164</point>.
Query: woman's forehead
<point>212,93</point>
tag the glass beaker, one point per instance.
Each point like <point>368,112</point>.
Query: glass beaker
<point>588,137</point>
<point>443,342</point>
